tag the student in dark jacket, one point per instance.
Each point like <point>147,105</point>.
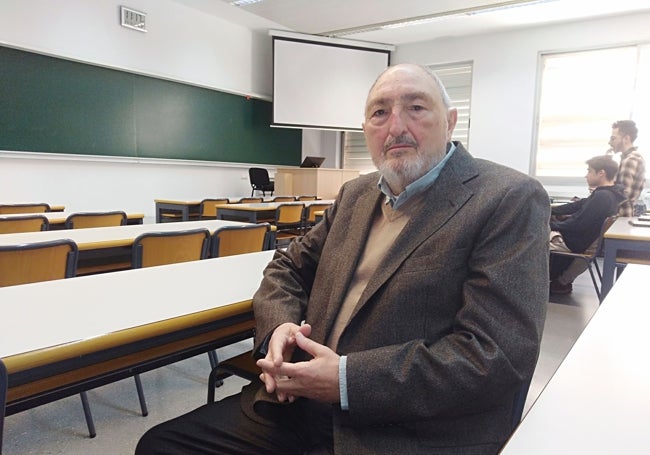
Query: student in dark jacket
<point>576,226</point>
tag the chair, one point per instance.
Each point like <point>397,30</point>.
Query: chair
<point>85,220</point>
<point>24,223</point>
<point>161,248</point>
<point>260,181</point>
<point>208,208</point>
<point>242,365</point>
<point>6,209</point>
<point>284,199</point>
<point>3,398</point>
<point>309,217</point>
<point>306,198</point>
<point>246,238</point>
<point>590,256</point>
<point>288,221</point>
<point>250,200</point>
<point>42,261</point>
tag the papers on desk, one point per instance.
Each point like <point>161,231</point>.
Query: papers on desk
<point>645,222</point>
<point>644,217</point>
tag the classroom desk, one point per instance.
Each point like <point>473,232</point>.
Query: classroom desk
<point>58,338</point>
<point>621,236</point>
<point>187,209</point>
<point>107,248</point>
<point>253,213</point>
<point>57,219</point>
<point>597,401</point>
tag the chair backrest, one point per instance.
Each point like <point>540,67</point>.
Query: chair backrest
<point>288,214</point>
<point>85,220</point>
<point>310,212</point>
<point>40,207</point>
<point>601,238</point>
<point>306,198</point>
<point>251,200</point>
<point>25,223</point>
<point>284,199</point>
<point>258,176</point>
<point>208,207</point>
<point>41,261</point>
<point>247,238</point>
<point>160,248</point>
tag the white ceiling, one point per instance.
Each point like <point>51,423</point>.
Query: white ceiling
<point>337,17</point>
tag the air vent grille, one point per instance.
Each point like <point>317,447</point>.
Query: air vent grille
<point>133,19</point>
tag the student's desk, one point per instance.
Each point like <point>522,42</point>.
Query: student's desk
<point>108,248</point>
<point>253,213</point>
<point>186,208</point>
<point>597,401</point>
<point>58,338</point>
<point>57,219</point>
<point>622,236</point>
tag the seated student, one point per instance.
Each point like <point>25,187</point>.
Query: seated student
<point>576,226</point>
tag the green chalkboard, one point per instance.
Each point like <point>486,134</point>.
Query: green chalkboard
<point>53,105</point>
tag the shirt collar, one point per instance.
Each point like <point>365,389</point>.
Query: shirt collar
<point>416,187</point>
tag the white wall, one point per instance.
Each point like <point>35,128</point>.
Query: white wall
<point>181,44</point>
<point>505,78</point>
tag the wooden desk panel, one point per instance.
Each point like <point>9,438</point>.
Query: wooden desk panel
<point>323,182</point>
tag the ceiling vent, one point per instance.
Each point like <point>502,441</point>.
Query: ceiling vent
<point>133,19</point>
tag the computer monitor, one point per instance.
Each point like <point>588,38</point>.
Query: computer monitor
<point>312,161</point>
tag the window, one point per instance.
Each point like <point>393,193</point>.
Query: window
<point>581,95</point>
<point>457,79</point>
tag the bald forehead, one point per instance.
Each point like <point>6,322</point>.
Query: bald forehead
<point>413,75</point>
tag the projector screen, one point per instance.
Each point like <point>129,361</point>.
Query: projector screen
<point>322,85</point>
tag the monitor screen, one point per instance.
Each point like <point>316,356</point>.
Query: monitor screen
<point>312,161</point>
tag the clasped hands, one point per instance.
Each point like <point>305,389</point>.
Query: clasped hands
<point>316,379</point>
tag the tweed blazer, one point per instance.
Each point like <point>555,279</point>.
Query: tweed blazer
<point>449,326</point>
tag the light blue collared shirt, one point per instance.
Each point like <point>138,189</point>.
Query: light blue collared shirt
<point>396,202</point>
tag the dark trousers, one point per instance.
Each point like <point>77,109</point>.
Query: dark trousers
<point>303,427</point>
<point>557,265</point>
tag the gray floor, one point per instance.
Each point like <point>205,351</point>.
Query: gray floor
<point>59,428</point>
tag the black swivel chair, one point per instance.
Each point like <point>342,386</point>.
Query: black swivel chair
<point>260,181</point>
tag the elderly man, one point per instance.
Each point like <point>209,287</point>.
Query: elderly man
<point>409,318</point>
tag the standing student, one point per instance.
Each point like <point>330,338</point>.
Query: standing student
<point>631,173</point>
<point>576,226</point>
<point>409,318</point>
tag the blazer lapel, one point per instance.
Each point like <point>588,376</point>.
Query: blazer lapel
<point>357,232</point>
<point>443,200</point>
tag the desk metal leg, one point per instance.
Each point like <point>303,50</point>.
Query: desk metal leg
<point>609,267</point>
<point>3,398</point>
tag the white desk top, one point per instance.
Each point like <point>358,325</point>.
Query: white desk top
<point>598,401</point>
<point>622,229</point>
<point>50,313</point>
<point>259,206</point>
<point>109,235</point>
<point>59,216</point>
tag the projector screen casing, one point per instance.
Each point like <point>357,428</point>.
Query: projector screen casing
<point>322,85</point>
